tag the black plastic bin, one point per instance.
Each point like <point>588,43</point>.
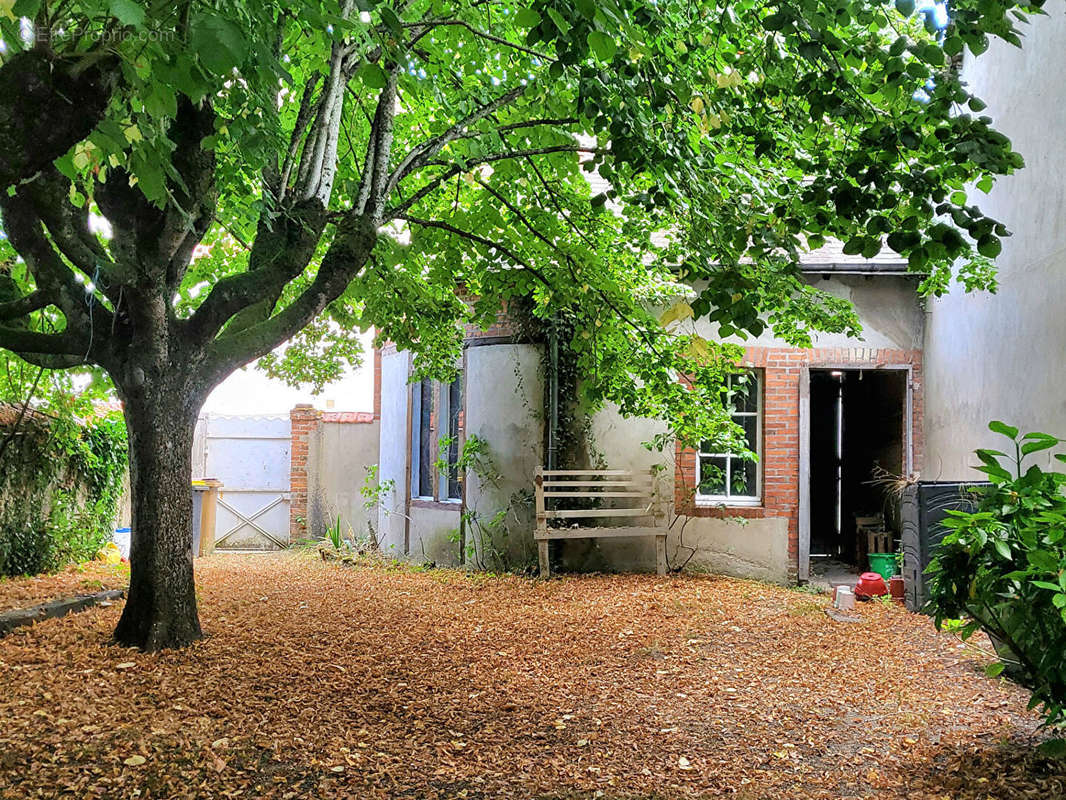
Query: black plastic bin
<point>924,507</point>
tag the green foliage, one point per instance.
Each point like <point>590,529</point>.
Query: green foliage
<point>1002,569</point>
<point>59,487</point>
<point>748,133</point>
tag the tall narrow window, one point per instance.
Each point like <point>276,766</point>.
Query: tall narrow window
<point>731,477</point>
<point>451,408</point>
<point>421,439</point>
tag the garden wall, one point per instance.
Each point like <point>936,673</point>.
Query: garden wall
<point>60,487</point>
<point>331,454</point>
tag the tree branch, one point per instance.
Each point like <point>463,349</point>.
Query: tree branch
<point>13,309</point>
<point>47,108</point>
<point>54,279</point>
<point>372,192</point>
<point>282,249</point>
<point>303,117</point>
<point>420,155</point>
<point>31,342</point>
<point>489,243</point>
<point>68,226</point>
<point>429,25</point>
<point>346,257</point>
<point>455,169</point>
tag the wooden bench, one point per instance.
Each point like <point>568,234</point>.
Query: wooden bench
<point>595,484</point>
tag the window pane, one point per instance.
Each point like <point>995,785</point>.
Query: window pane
<point>712,476</point>
<point>742,475</point>
<point>745,392</point>
<point>454,407</point>
<point>425,452</point>
<point>750,425</point>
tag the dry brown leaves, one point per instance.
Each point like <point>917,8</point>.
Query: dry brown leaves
<point>76,579</point>
<point>326,681</point>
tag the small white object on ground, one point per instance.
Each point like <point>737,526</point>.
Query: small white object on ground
<point>845,598</point>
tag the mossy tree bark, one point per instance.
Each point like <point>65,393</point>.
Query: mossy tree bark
<point>160,609</point>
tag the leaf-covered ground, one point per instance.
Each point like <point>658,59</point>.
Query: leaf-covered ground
<point>76,579</point>
<point>328,681</point>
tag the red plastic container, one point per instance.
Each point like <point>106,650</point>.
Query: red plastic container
<point>896,588</point>
<point>870,585</point>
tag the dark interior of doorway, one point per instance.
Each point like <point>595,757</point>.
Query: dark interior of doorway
<point>858,434</point>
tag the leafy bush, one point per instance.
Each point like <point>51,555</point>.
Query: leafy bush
<point>1002,569</point>
<point>59,488</point>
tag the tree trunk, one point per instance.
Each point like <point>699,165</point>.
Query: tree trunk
<point>161,604</point>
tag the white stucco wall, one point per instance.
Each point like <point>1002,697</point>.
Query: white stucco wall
<point>338,457</point>
<point>392,452</point>
<point>504,402</point>
<point>888,306</point>
<point>1000,356</point>
<point>434,533</point>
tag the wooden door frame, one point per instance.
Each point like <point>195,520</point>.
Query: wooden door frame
<point>803,572</point>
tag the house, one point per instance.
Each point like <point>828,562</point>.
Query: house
<point>825,422</point>
<point>1000,356</point>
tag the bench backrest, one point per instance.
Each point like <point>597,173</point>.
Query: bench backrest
<point>632,493</point>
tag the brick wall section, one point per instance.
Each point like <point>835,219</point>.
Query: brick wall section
<point>304,420</point>
<point>781,367</point>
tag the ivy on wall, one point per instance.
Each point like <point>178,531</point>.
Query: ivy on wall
<point>60,485</point>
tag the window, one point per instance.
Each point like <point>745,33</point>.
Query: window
<point>727,477</point>
<point>429,451</point>
<point>421,439</point>
<point>451,405</point>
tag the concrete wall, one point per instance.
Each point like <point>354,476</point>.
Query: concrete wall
<point>888,306</point>
<point>339,456</point>
<point>434,532</point>
<point>504,402</point>
<point>393,452</point>
<point>1000,356</point>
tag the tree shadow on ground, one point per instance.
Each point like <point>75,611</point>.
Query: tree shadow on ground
<point>1012,768</point>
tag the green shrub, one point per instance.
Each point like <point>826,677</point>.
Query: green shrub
<point>59,488</point>
<point>1002,569</point>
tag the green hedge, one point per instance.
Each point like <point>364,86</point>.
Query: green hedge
<point>60,483</point>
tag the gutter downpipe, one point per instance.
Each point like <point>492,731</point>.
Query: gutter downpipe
<point>553,396</point>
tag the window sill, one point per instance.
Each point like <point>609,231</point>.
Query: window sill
<point>440,505</point>
<point>728,502</point>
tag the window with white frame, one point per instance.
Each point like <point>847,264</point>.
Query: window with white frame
<point>733,477</point>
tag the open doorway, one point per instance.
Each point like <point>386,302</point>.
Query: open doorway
<point>858,438</point>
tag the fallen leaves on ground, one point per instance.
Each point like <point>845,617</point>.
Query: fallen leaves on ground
<point>73,580</point>
<point>325,681</point>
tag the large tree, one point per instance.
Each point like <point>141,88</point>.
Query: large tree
<point>267,167</point>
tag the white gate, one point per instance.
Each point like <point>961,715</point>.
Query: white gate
<point>250,455</point>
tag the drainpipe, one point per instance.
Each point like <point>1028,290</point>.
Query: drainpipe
<point>553,396</point>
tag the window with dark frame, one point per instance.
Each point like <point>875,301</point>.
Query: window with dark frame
<point>421,439</point>
<point>451,408</point>
<point>733,477</point>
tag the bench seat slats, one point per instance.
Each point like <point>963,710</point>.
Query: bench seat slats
<point>591,494</point>
<point>645,483</point>
<point>589,484</point>
<point>596,533</point>
<point>549,473</point>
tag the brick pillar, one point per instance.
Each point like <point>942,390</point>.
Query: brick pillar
<point>304,420</point>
